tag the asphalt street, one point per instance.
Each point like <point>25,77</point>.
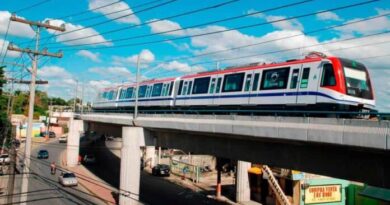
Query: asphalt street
<point>44,188</point>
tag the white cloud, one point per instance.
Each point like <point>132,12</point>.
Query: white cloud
<point>90,55</point>
<point>114,73</point>
<point>328,16</point>
<point>127,11</point>
<point>292,24</point>
<point>257,15</point>
<point>12,54</point>
<point>77,34</point>
<point>49,72</point>
<point>166,25</point>
<point>366,27</point>
<point>15,28</point>
<point>180,67</point>
<point>146,57</point>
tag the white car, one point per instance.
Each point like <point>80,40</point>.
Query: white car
<point>63,139</point>
<point>4,159</point>
<point>67,179</point>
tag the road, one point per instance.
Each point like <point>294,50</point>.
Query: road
<point>153,190</point>
<point>43,187</point>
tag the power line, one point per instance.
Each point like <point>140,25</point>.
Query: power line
<point>150,22</point>
<point>114,12</point>
<point>277,39</point>
<point>2,46</point>
<point>193,26</point>
<point>31,6</point>
<point>214,32</point>
<point>291,49</point>
<point>110,20</point>
<point>87,11</point>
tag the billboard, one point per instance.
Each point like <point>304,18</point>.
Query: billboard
<point>323,194</point>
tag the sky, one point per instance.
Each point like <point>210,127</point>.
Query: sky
<point>103,38</point>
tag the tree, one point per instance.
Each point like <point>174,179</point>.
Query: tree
<point>2,79</point>
<point>5,125</point>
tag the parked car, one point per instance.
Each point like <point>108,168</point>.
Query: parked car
<point>43,154</point>
<point>89,159</point>
<point>63,139</point>
<point>50,134</point>
<point>5,159</point>
<point>67,179</point>
<point>161,170</point>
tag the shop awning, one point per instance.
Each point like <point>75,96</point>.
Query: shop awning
<point>255,170</point>
<point>376,193</point>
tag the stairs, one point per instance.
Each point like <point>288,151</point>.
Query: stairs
<point>282,199</point>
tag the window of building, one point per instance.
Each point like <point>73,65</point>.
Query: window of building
<point>212,86</point>
<point>275,79</point>
<point>201,85</point>
<point>129,92</point>
<point>294,79</point>
<point>233,82</point>
<point>328,77</point>
<point>248,82</point>
<point>218,87</point>
<point>142,91</point>
<point>189,88</point>
<point>305,78</point>
<point>255,84</point>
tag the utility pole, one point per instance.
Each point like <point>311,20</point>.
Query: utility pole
<point>75,98</point>
<point>48,120</point>
<point>137,88</point>
<point>34,56</point>
<point>82,98</point>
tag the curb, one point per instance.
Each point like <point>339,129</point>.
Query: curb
<point>63,161</point>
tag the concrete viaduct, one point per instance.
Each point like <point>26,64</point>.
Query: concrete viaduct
<point>352,149</point>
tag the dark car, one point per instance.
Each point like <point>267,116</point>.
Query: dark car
<point>43,154</point>
<point>161,170</point>
<point>50,134</point>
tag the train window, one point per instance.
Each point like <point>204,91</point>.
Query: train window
<point>180,88</point>
<point>164,90</point>
<point>218,87</point>
<point>305,78</point>
<point>185,88</point>
<point>189,88</point>
<point>157,89</point>
<point>248,82</point>
<point>294,79</point>
<point>142,91</point>
<point>129,92</point>
<point>275,79</point>
<point>328,77</point>
<point>170,89</point>
<point>233,82</point>
<point>212,86</point>
<point>104,94</point>
<point>255,84</point>
<point>201,85</point>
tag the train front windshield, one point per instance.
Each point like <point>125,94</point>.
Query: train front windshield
<point>356,78</point>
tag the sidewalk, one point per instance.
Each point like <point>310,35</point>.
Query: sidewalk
<point>92,183</point>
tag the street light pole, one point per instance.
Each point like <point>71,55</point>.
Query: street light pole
<point>137,88</point>
<point>75,98</point>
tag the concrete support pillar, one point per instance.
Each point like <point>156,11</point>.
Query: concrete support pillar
<point>76,128</point>
<point>243,192</point>
<point>159,155</point>
<point>150,156</point>
<point>130,171</point>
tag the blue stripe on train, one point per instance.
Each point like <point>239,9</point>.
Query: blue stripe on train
<point>238,96</point>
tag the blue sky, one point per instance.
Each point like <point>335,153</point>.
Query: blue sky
<point>97,66</point>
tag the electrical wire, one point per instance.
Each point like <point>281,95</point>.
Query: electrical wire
<point>113,19</point>
<point>31,6</point>
<point>2,46</point>
<point>213,32</point>
<point>153,21</point>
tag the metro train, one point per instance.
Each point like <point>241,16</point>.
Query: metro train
<point>316,82</point>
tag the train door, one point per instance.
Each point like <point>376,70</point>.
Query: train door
<point>292,97</point>
<point>212,88</point>
<point>306,85</point>
<point>248,87</point>
<point>254,88</point>
<point>217,90</point>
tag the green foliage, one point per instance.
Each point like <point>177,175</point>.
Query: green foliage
<point>5,125</point>
<point>2,79</point>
